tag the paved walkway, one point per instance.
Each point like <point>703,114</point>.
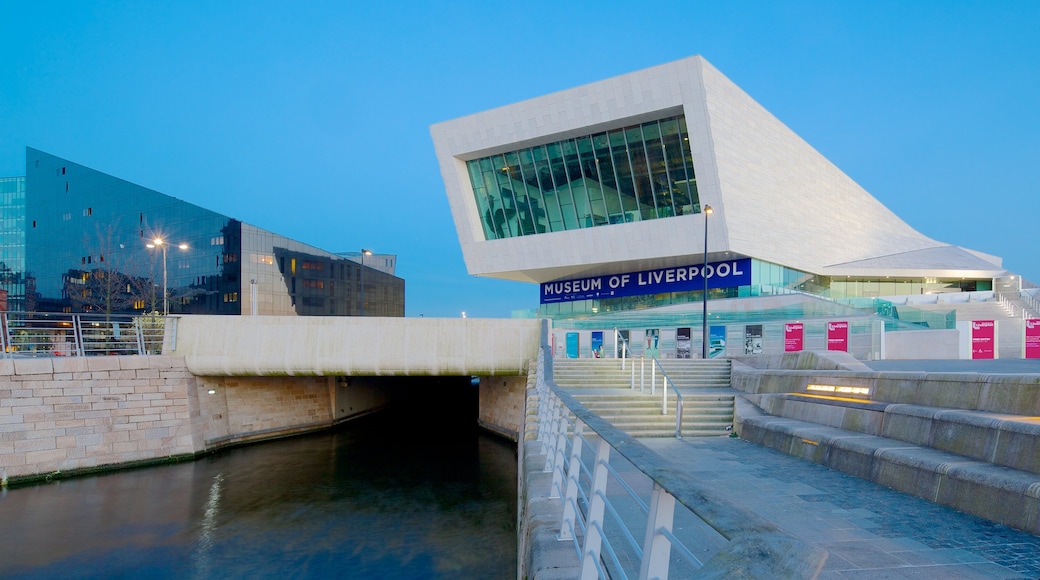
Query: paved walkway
<point>869,530</point>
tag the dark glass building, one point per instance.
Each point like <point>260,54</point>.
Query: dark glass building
<point>91,244</point>
<point>12,241</point>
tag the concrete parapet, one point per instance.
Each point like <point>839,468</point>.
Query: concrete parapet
<point>352,346</point>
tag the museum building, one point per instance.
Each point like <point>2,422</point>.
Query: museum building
<point>622,194</point>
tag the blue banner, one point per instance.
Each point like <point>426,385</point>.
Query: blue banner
<point>727,274</point>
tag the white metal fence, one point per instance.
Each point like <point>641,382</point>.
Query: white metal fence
<point>46,334</point>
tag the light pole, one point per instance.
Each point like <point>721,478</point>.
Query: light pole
<point>364,253</point>
<point>161,244</point>
<point>704,274</point>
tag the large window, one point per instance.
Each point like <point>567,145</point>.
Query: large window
<point>629,174</point>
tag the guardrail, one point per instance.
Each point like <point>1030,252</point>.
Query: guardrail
<point>46,334</point>
<point>579,449</point>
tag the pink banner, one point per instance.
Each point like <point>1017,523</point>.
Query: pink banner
<point>838,336</point>
<point>793,337</point>
<point>983,343</point>
<point>1032,338</point>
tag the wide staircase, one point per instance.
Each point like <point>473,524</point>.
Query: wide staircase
<point>614,394</point>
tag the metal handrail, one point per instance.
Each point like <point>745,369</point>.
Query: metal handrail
<point>53,334</point>
<point>679,399</point>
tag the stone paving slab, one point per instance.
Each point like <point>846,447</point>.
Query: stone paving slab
<point>870,531</point>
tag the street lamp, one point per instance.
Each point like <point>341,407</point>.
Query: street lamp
<point>161,244</point>
<point>704,274</point>
<point>364,253</point>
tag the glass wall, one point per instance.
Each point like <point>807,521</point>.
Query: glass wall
<point>87,238</point>
<point>769,279</point>
<point>635,173</point>
<point>12,241</point>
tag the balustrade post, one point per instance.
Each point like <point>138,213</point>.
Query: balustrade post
<point>561,447</point>
<point>594,522</point>
<point>570,497</point>
<point>642,374</point>
<point>653,376</point>
<point>551,436</point>
<point>664,395</point>
<point>657,548</point>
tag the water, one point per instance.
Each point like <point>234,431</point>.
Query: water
<point>365,501</point>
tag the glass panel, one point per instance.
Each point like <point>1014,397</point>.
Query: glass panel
<point>623,174</point>
<point>534,194</point>
<point>563,189</point>
<point>658,169</point>
<point>480,194</point>
<point>607,179</point>
<point>640,173</point>
<point>687,157</point>
<point>597,208</point>
<point>525,220</point>
<point>578,189</point>
<point>679,182</point>
<point>545,183</point>
<point>510,225</point>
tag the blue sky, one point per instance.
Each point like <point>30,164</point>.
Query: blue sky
<point>313,121</point>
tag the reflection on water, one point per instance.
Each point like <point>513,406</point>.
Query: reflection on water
<point>369,500</point>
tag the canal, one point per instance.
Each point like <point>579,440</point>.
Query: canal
<point>415,492</point>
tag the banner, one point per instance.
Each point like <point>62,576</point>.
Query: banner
<point>753,339</point>
<point>728,274</point>
<point>717,341</point>
<point>793,337</point>
<point>838,336</point>
<point>1032,338</point>
<point>682,342</point>
<point>983,334</point>
<point>572,345</point>
<point>597,343</point>
<point>653,339</point>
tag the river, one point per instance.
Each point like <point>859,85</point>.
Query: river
<point>388,496</point>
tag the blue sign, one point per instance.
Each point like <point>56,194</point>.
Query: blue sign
<point>727,274</point>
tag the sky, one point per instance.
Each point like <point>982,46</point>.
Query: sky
<point>312,119</point>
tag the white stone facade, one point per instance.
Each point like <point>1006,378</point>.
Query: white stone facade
<point>775,197</point>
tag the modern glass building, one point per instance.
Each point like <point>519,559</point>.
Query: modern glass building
<point>90,245</point>
<point>12,241</point>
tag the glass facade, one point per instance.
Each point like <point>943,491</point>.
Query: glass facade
<point>772,279</point>
<point>634,173</point>
<point>12,241</point>
<point>87,236</point>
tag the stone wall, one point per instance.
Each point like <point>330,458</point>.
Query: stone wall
<point>68,414</point>
<point>62,415</point>
<point>502,404</point>
<point>237,409</point>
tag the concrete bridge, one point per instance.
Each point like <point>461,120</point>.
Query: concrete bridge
<point>352,346</point>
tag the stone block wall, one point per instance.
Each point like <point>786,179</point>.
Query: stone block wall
<point>243,408</point>
<point>65,414</point>
<point>502,404</point>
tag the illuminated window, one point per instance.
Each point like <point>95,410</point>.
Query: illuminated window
<point>307,265</point>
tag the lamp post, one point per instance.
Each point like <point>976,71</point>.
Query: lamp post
<point>364,253</point>
<point>161,244</point>
<point>704,274</point>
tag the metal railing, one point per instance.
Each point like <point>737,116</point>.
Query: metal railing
<point>46,334</point>
<point>579,446</point>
